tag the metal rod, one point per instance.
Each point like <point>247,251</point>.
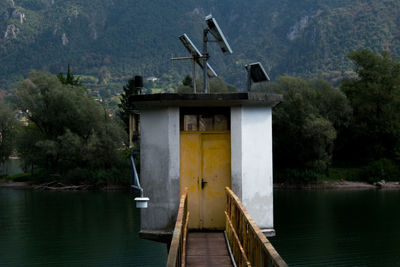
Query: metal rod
<point>180,58</point>
<point>229,250</point>
<point>248,68</point>
<point>194,75</point>
<point>205,58</point>
<point>135,177</point>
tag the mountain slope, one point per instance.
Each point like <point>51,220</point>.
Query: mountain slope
<point>108,41</point>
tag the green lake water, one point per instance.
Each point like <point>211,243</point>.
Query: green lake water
<point>314,228</point>
<point>73,229</point>
<point>338,228</point>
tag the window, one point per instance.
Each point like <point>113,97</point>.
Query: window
<point>205,119</point>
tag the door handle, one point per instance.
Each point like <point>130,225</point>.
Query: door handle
<point>203,183</point>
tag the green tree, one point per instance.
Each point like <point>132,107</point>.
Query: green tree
<point>216,85</point>
<point>69,134</point>
<point>188,81</point>
<point>375,98</point>
<point>69,78</point>
<point>8,129</point>
<point>124,107</point>
<point>186,86</point>
<point>304,124</point>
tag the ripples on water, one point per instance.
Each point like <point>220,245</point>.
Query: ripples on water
<point>73,229</point>
<point>338,228</point>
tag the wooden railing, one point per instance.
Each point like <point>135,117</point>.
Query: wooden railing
<point>248,244</point>
<point>177,250</point>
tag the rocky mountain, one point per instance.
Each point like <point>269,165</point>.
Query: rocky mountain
<point>108,41</point>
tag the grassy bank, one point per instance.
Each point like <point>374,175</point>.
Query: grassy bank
<point>373,172</point>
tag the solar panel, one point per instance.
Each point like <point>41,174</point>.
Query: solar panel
<point>215,30</point>
<point>196,54</point>
<point>257,72</point>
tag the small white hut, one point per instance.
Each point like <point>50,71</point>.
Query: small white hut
<point>205,142</point>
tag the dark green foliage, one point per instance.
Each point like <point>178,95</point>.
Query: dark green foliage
<point>382,169</point>
<point>188,81</point>
<point>375,97</point>
<point>69,136</point>
<point>297,176</point>
<point>216,85</point>
<point>69,78</point>
<point>187,86</point>
<point>345,173</point>
<point>186,89</point>
<point>108,40</point>
<point>124,107</point>
<point>8,130</point>
<point>304,124</point>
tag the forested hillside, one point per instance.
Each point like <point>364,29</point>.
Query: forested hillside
<point>108,41</point>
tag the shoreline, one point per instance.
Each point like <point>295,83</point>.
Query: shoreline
<point>324,185</point>
<point>340,185</point>
<point>46,187</point>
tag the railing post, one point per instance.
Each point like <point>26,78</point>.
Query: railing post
<point>178,244</point>
<point>249,245</point>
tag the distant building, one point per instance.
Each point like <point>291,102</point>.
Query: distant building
<point>24,121</point>
<point>151,79</point>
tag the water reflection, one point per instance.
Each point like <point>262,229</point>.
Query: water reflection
<point>338,228</point>
<point>80,229</point>
<point>314,228</point>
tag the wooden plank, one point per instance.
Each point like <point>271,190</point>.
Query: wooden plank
<point>207,235</point>
<point>208,261</point>
<point>207,249</point>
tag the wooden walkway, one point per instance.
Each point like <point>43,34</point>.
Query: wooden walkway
<point>207,249</point>
<point>248,244</point>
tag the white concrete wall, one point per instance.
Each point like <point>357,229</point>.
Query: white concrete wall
<point>236,150</point>
<point>251,152</point>
<point>159,160</point>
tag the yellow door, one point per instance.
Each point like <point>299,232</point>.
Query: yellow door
<point>190,172</point>
<point>206,170</point>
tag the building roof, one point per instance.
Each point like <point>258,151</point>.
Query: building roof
<point>205,100</point>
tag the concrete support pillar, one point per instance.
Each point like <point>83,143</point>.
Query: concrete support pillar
<point>251,150</point>
<point>159,152</point>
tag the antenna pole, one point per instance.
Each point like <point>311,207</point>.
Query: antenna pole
<point>248,68</point>
<point>194,76</point>
<point>205,58</point>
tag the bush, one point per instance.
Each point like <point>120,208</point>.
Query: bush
<point>69,137</point>
<point>18,177</point>
<point>347,173</point>
<point>382,169</point>
<point>299,175</point>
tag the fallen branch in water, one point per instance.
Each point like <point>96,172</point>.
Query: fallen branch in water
<point>55,185</point>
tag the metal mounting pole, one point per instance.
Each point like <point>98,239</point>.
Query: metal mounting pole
<point>194,75</point>
<point>248,68</point>
<point>205,58</point>
<point>192,57</point>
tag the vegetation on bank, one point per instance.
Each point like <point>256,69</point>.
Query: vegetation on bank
<point>215,85</point>
<point>355,128</point>
<point>8,129</point>
<point>320,132</point>
<point>69,137</point>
